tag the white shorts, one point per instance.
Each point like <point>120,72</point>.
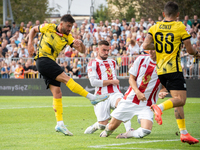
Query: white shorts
<point>102,109</point>
<point>127,109</point>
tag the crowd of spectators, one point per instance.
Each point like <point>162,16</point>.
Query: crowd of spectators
<point>125,40</point>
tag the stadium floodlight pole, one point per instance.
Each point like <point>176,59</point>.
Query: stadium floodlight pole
<point>6,4</point>
<point>69,5</point>
<point>91,9</point>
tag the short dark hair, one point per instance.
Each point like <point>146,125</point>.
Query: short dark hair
<point>67,18</point>
<point>171,9</point>
<point>103,42</point>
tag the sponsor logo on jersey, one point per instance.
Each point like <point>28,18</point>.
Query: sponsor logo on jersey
<point>144,65</point>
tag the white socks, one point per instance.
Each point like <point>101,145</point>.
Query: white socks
<point>140,133</point>
<point>183,132</point>
<point>99,126</point>
<point>60,123</point>
<point>161,107</point>
<point>91,96</point>
<point>127,125</point>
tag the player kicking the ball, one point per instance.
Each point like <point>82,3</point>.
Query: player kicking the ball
<point>102,75</point>
<point>141,94</point>
<point>53,40</point>
<point>167,37</point>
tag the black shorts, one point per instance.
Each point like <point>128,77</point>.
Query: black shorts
<point>173,81</point>
<point>49,69</point>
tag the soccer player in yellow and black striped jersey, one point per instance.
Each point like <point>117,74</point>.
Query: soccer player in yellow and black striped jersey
<point>167,36</point>
<point>53,40</point>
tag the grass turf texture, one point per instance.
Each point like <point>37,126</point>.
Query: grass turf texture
<point>28,123</point>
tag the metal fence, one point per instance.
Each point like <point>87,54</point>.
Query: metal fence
<point>191,67</point>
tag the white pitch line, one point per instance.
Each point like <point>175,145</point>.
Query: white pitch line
<point>46,106</point>
<point>127,143</point>
<point>136,148</point>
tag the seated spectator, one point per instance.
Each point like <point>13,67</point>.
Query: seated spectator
<point>142,37</point>
<point>93,22</point>
<point>196,22</point>
<point>27,70</point>
<point>92,29</point>
<point>96,34</point>
<point>121,47</point>
<point>117,22</point>
<point>114,51</point>
<point>114,40</point>
<point>193,39</point>
<point>19,72</point>
<point>75,70</point>
<point>94,50</point>
<point>87,41</point>
<point>188,21</point>
<point>8,36</point>
<point>94,42</point>
<point>5,71</point>
<point>23,53</point>
<point>14,28</point>
<point>190,65</point>
<point>22,28</point>
<point>133,48</point>
<point>128,39</point>
<point>187,25</point>
<point>67,68</point>
<point>105,33</point>
<point>15,56</point>
<point>12,69</point>
<point>117,30</point>
<point>160,18</point>
<point>7,59</point>
<point>4,49</point>
<point>6,27</point>
<point>134,23</point>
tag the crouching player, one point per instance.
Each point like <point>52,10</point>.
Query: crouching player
<point>102,75</point>
<point>142,93</point>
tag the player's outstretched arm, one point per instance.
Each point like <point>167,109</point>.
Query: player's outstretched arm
<point>32,33</point>
<point>133,84</point>
<point>148,45</point>
<point>190,49</point>
<point>78,45</point>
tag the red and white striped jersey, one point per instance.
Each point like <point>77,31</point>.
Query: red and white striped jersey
<point>103,70</point>
<point>144,69</point>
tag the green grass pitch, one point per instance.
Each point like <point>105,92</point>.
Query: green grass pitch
<point>27,123</point>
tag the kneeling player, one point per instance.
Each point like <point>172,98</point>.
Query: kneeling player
<point>102,75</point>
<point>142,93</point>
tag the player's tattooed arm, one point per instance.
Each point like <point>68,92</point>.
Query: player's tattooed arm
<point>148,43</point>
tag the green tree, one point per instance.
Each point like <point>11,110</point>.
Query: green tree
<point>101,14</point>
<point>28,10</point>
<point>154,8</point>
<point>124,9</point>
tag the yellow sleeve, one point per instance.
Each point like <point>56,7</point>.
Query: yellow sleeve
<point>43,27</point>
<point>184,33</point>
<point>70,40</point>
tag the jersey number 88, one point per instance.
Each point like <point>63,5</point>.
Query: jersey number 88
<point>159,49</point>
